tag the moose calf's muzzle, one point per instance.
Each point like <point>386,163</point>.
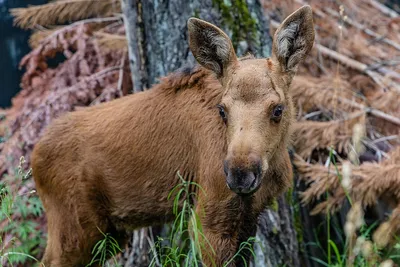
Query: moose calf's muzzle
<point>243,179</point>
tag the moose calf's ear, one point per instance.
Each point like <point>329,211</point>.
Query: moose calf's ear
<point>293,39</point>
<point>211,47</point>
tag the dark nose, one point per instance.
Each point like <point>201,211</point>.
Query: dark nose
<point>243,180</point>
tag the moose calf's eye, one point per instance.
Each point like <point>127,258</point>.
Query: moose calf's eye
<point>277,113</point>
<point>222,113</point>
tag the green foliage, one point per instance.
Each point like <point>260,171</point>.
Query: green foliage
<point>236,16</point>
<point>186,240</point>
<point>17,213</point>
<point>182,248</point>
<point>247,245</point>
<point>104,249</point>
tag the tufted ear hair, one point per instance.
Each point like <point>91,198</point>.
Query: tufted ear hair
<point>293,40</point>
<point>211,47</point>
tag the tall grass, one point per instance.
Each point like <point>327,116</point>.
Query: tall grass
<point>186,240</point>
<point>104,249</point>
<point>182,248</point>
<point>24,237</point>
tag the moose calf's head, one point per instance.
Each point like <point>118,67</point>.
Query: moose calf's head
<point>256,105</point>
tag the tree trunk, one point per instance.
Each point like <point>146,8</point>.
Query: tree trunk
<point>160,47</point>
<point>276,243</point>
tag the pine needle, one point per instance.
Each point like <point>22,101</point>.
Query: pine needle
<point>94,25</point>
<point>111,41</point>
<point>38,35</point>
<point>64,11</point>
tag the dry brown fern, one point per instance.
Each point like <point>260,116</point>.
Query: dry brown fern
<point>112,41</point>
<point>65,11</point>
<point>315,135</point>
<point>388,232</point>
<point>43,35</point>
<point>311,93</point>
<point>50,92</point>
<point>369,182</point>
<point>387,101</point>
<point>38,35</point>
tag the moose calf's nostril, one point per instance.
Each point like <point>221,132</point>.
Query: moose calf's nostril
<point>253,183</point>
<point>226,168</point>
<point>258,170</point>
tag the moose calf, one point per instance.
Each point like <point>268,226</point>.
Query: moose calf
<point>224,124</point>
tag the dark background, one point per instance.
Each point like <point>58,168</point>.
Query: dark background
<point>13,46</point>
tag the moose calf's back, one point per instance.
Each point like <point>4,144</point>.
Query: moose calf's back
<point>129,150</point>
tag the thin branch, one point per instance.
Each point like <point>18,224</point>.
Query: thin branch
<point>101,73</point>
<point>384,9</point>
<point>380,114</point>
<point>364,29</point>
<point>372,111</point>
<point>386,138</point>
<point>121,75</point>
<point>354,64</point>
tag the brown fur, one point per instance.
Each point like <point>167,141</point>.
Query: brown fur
<point>112,166</point>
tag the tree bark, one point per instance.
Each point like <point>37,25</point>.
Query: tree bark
<point>161,47</point>
<point>132,13</point>
<point>276,235</point>
<point>164,31</point>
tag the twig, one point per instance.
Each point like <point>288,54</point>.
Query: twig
<point>375,112</point>
<point>364,29</point>
<point>312,114</point>
<point>110,35</point>
<point>121,75</point>
<point>384,9</point>
<point>349,62</point>
<point>380,114</point>
<point>99,74</point>
<point>386,138</point>
<point>354,64</point>
<point>150,240</point>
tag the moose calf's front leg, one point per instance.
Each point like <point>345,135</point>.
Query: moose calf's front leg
<point>219,243</point>
<point>225,226</point>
